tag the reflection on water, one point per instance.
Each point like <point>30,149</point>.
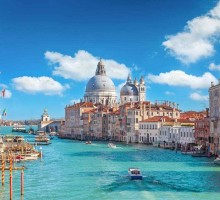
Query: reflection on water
<point>72,170</point>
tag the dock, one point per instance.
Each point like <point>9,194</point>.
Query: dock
<point>13,168</point>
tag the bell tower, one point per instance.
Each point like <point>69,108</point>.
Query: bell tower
<point>45,117</point>
<point>142,90</point>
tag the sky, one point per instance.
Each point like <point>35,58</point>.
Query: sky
<point>49,49</point>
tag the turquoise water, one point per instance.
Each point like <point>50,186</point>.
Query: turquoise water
<point>73,170</point>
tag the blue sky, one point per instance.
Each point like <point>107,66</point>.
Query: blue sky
<point>49,50</point>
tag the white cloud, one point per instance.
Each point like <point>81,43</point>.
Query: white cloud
<point>8,94</point>
<point>45,85</point>
<point>180,78</point>
<point>83,66</point>
<point>169,93</point>
<point>214,67</point>
<point>198,97</point>
<point>198,38</point>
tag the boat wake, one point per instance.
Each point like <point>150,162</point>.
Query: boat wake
<point>171,186</point>
<point>148,183</point>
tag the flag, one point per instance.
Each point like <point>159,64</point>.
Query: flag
<point>4,113</point>
<point>3,92</point>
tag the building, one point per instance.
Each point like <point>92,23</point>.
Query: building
<point>74,120</point>
<point>48,125</point>
<point>214,106</point>
<point>132,113</point>
<point>176,131</point>
<point>149,130</point>
<point>100,117</point>
<point>202,133</point>
<point>100,88</point>
<point>99,123</point>
<point>133,91</point>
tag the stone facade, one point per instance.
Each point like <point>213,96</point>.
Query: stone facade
<point>48,125</point>
<point>214,105</point>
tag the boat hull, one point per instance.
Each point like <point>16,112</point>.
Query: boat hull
<point>217,161</point>
<point>136,177</point>
<point>135,174</point>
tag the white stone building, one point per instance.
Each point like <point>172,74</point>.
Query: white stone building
<point>149,130</point>
<point>186,134</point>
<point>177,131</point>
<point>133,91</point>
<point>100,88</point>
<point>214,105</point>
<point>48,125</point>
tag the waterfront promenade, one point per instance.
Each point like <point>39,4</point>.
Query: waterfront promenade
<point>73,170</point>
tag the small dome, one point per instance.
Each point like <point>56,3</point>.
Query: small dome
<point>100,83</point>
<point>129,90</point>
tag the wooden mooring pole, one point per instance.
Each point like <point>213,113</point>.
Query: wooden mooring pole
<point>3,170</point>
<point>41,154</point>
<point>10,168</point>
<point>22,182</point>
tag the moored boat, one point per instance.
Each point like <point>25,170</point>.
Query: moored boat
<point>19,128</point>
<point>40,138</point>
<point>135,174</point>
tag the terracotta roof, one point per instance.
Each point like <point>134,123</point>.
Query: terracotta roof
<point>91,111</point>
<point>81,104</point>
<point>185,121</point>
<point>192,115</point>
<point>159,119</point>
<point>117,112</point>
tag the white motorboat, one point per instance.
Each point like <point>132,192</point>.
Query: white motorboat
<point>135,174</point>
<point>217,161</point>
<point>111,145</point>
<point>19,128</point>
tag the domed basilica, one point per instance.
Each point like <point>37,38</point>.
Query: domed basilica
<point>101,89</point>
<point>133,91</point>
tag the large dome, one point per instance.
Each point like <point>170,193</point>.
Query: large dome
<point>100,83</point>
<point>100,88</point>
<point>129,90</point>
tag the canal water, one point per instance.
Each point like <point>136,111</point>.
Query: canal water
<point>72,170</point>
